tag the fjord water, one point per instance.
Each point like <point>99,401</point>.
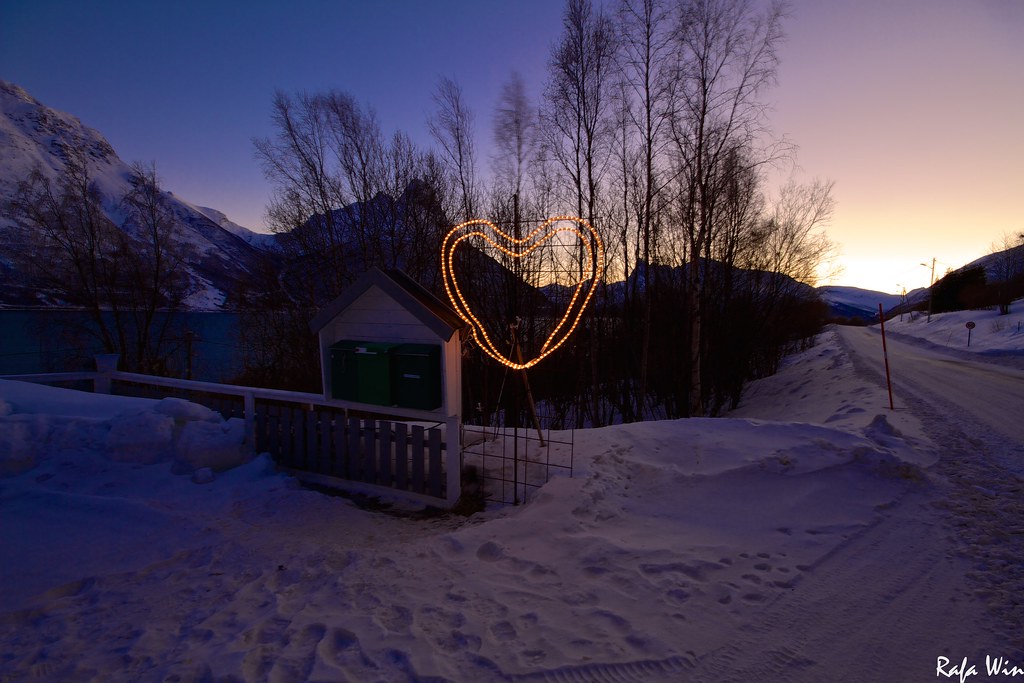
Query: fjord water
<point>48,340</point>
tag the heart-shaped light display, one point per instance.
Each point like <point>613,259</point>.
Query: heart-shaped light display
<point>582,290</point>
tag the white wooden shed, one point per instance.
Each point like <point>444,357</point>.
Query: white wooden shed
<point>394,332</point>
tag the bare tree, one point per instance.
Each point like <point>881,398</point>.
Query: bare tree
<point>791,240</point>
<point>346,198</point>
<point>74,242</point>
<point>726,59</point>
<point>515,135</point>
<point>452,128</point>
<point>360,157</point>
<point>576,137</point>
<point>740,217</point>
<point>578,97</point>
<point>1008,269</point>
<point>154,264</point>
<point>328,153</point>
<point>412,214</point>
<point>645,63</point>
<point>298,160</point>
<point>345,195</point>
<point>123,277</point>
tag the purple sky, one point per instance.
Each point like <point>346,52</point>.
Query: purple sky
<point>915,108</point>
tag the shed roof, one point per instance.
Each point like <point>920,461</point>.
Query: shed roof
<point>411,295</point>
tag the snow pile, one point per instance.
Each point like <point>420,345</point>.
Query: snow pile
<point>38,421</point>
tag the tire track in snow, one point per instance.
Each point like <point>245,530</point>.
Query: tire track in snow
<point>982,484</point>
<point>830,614</point>
<point>984,511</point>
<point>642,671</point>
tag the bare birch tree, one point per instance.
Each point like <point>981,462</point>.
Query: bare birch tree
<point>346,198</point>
<point>576,138</point>
<point>154,265</point>
<point>340,191</point>
<point>726,60</point>
<point>298,160</point>
<point>514,134</point>
<point>578,97</point>
<point>121,276</point>
<point>452,128</point>
<point>645,62</point>
<point>792,241</point>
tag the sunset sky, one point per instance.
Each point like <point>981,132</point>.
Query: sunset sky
<point>914,108</point>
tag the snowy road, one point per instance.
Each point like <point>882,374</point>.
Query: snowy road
<point>976,394</point>
<point>972,411</point>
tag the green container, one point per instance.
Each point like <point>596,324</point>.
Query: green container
<point>344,379</point>
<point>416,374</point>
<point>361,371</point>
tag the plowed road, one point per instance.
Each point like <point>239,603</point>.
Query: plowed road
<point>974,396</point>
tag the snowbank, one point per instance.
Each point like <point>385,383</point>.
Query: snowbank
<point>992,334</point>
<point>37,421</point>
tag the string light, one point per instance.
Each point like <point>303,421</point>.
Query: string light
<point>522,247</point>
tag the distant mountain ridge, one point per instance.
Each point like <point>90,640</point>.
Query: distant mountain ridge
<point>224,256</point>
<point>260,240</point>
<point>855,303</point>
<point>221,255</point>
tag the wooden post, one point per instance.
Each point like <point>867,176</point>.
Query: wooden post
<point>249,407</point>
<point>453,460</point>
<point>190,337</point>
<point>106,363</point>
<point>384,469</point>
<point>931,294</point>
<point>434,472</point>
<point>529,392</point>
<point>401,456</point>
<point>885,353</point>
<point>418,456</point>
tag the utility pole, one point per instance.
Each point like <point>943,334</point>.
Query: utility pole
<point>931,279</point>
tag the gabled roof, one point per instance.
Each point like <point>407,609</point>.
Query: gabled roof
<point>411,295</point>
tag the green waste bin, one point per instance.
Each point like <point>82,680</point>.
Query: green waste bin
<point>416,375</point>
<point>361,371</point>
<point>344,380</point>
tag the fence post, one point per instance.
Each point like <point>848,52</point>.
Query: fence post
<point>453,460</point>
<point>106,363</point>
<point>249,407</point>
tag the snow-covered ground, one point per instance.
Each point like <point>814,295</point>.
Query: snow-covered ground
<point>993,334</point>
<point>812,535</point>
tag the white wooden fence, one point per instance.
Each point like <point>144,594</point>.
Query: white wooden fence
<point>414,454</point>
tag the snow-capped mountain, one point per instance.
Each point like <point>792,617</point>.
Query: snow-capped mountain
<point>856,303</point>
<point>260,240</point>
<point>995,264</point>
<point>220,255</point>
